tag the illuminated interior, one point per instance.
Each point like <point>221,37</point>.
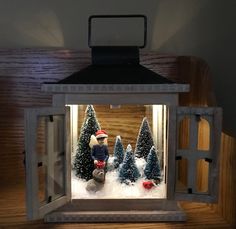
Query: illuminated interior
<point>123,121</point>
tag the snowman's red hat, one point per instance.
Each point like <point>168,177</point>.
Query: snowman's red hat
<point>101,134</point>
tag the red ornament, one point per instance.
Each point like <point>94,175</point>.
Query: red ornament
<point>100,164</point>
<point>148,184</point>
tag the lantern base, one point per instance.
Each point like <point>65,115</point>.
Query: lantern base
<point>158,211</point>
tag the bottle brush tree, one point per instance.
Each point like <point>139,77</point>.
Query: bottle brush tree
<point>118,152</point>
<point>152,170</point>
<point>83,163</point>
<point>144,140</point>
<point>128,171</point>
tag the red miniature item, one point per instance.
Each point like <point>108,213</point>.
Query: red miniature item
<point>148,184</point>
<point>100,165</point>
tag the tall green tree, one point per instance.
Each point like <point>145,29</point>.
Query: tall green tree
<point>152,170</point>
<point>144,140</point>
<point>118,152</point>
<point>83,163</point>
<point>128,171</point>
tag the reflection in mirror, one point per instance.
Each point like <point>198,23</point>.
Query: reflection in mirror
<point>182,175</point>
<point>50,158</point>
<point>202,176</point>
<point>41,153</point>
<point>203,135</point>
<point>42,170</point>
<point>184,130</point>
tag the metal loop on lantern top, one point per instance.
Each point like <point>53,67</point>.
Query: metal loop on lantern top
<point>117,16</point>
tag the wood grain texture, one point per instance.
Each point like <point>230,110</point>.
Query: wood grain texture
<point>124,121</point>
<point>227,201</point>
<point>23,71</point>
<point>196,72</point>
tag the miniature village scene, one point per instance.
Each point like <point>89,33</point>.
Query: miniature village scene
<point>105,165</point>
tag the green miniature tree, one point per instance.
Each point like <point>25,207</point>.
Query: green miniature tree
<point>83,163</point>
<point>128,171</point>
<point>118,152</point>
<point>152,169</point>
<point>144,141</point>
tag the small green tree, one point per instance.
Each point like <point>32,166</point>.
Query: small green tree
<point>118,152</point>
<point>128,171</point>
<point>83,163</point>
<point>144,140</point>
<point>152,169</point>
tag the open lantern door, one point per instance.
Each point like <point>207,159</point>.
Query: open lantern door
<point>195,164</point>
<point>192,169</point>
<point>48,155</point>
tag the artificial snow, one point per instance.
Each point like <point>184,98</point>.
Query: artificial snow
<point>114,189</point>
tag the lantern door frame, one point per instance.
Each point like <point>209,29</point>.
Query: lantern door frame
<point>35,208</point>
<point>172,212</point>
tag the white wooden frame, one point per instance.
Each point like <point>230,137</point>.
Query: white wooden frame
<point>133,94</point>
<point>116,99</point>
<point>74,129</point>
<point>34,210</point>
<point>213,115</point>
<point>114,88</point>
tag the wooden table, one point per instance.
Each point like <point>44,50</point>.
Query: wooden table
<point>13,215</point>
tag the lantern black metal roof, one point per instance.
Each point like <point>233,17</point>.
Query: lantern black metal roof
<point>115,65</point>
<point>115,69</point>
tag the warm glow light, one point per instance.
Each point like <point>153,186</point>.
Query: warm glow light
<point>157,126</point>
<point>74,127</point>
<point>112,187</point>
<point>159,132</point>
<point>43,27</point>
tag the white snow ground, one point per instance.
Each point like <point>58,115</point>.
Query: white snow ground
<point>114,189</point>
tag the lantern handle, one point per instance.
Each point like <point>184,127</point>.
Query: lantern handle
<point>118,16</point>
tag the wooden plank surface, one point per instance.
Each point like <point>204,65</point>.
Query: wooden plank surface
<point>12,215</point>
<point>124,121</point>
<point>22,72</point>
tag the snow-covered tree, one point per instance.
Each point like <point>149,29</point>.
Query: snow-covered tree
<point>152,169</point>
<point>144,140</point>
<point>83,163</point>
<point>118,152</point>
<point>128,171</point>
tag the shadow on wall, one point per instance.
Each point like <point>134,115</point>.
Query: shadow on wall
<point>43,28</point>
<point>203,29</point>
<point>58,23</point>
